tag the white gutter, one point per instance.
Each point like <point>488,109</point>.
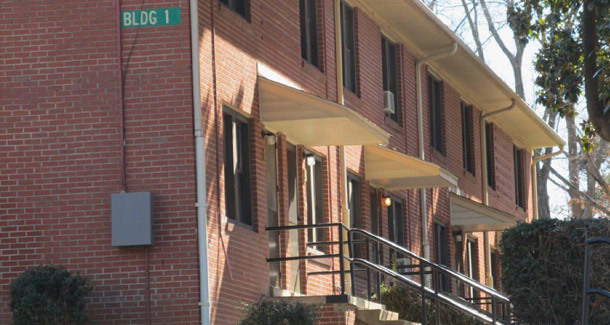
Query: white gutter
<point>533,172</point>
<point>420,135</point>
<point>201,204</point>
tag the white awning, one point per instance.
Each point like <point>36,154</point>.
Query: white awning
<point>391,169</point>
<point>313,121</point>
<point>472,216</point>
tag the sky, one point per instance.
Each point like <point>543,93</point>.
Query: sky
<point>451,12</point>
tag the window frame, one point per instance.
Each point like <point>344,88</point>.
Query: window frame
<point>518,166</point>
<point>490,154</point>
<point>436,114</point>
<point>315,182</point>
<point>468,138</point>
<point>389,54</point>
<point>242,210</point>
<point>310,45</point>
<point>232,5</point>
<point>348,11</point>
<point>441,251</point>
<point>396,228</point>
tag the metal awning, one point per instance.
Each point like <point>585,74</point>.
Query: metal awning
<point>313,121</point>
<point>393,170</point>
<point>472,216</point>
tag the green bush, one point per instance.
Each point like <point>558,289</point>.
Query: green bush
<point>407,303</point>
<point>49,295</point>
<point>542,270</point>
<point>277,312</point>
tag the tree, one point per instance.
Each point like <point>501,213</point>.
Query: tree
<point>575,54</point>
<point>556,77</point>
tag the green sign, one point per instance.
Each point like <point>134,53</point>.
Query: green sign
<point>150,17</point>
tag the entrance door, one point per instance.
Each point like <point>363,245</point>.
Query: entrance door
<point>294,282</point>
<point>272,213</point>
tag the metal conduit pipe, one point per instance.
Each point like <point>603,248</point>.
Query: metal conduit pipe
<point>420,135</point>
<point>201,203</point>
<point>533,172</point>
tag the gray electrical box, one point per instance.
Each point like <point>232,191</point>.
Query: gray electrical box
<point>132,219</point>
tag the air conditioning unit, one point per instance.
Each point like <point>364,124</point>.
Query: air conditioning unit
<point>389,106</point>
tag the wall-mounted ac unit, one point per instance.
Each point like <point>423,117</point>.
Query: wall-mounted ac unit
<point>389,106</point>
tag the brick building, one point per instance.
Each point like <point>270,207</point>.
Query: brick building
<point>297,128</point>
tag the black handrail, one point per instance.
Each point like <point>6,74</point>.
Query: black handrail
<point>443,269</point>
<point>427,291</point>
<point>587,291</point>
<point>342,257</point>
<point>425,267</point>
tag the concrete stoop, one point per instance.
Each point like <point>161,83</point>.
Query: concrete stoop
<point>380,317</point>
<point>352,310</point>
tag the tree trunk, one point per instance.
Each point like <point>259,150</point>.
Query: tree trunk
<point>595,106</point>
<point>574,170</point>
<point>543,172</point>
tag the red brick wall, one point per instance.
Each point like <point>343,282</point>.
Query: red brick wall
<point>60,117</point>
<point>61,127</point>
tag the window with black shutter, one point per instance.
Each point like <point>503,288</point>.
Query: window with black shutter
<point>309,31</point>
<point>436,114</point>
<point>390,79</point>
<point>467,141</point>
<point>441,249</point>
<point>239,6</point>
<point>519,186</point>
<point>490,153</point>
<point>238,202</point>
<point>348,47</point>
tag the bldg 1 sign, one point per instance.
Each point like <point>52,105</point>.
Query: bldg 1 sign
<point>150,17</point>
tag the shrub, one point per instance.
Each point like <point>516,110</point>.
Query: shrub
<point>407,303</point>
<point>49,295</point>
<point>277,312</point>
<point>542,270</point>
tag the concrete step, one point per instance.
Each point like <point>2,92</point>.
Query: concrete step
<point>380,317</point>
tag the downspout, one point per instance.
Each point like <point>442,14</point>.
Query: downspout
<point>341,101</point>
<point>488,274</point>
<point>201,204</point>
<point>533,172</point>
<point>420,135</point>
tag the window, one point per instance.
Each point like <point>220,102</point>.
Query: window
<point>237,168</point>
<point>472,268</point>
<point>495,268</point>
<point>355,213</point>
<point>467,142</point>
<point>390,80</point>
<point>519,186</point>
<point>374,201</point>
<point>436,116</point>
<point>395,222</point>
<point>309,31</point>
<point>489,149</point>
<point>239,6</point>
<point>440,253</point>
<point>348,47</point>
<point>315,197</point>
<point>353,194</point>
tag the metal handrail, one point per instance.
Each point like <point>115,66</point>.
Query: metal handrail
<point>445,299</point>
<point>342,257</point>
<point>587,277</point>
<point>441,268</point>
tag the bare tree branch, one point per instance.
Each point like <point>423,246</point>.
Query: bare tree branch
<point>583,194</point>
<point>474,28</point>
